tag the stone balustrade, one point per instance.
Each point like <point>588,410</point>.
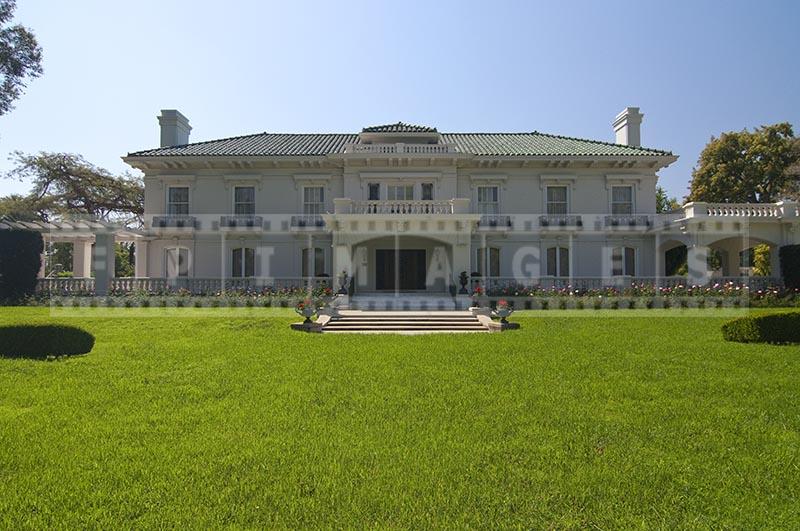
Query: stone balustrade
<point>400,149</point>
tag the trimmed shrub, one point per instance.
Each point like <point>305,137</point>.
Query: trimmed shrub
<point>790,265</point>
<point>20,259</point>
<point>775,328</point>
<point>43,341</point>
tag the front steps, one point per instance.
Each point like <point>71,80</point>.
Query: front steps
<point>403,322</point>
<point>407,302</point>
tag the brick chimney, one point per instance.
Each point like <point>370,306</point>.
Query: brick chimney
<point>627,126</point>
<point>175,128</point>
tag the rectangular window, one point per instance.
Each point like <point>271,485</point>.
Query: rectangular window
<point>623,261</point>
<point>178,201</point>
<point>319,262</point>
<point>488,200</point>
<point>177,262</point>
<point>556,200</point>
<point>401,192</point>
<point>244,200</point>
<point>558,262</point>
<point>244,262</point>
<point>622,200</point>
<point>374,191</point>
<point>494,262</point>
<point>427,191</point>
<point>313,200</point>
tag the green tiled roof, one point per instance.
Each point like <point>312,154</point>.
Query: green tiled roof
<point>533,144</point>
<point>399,127</point>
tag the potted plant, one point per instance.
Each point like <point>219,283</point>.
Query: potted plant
<point>477,293</point>
<point>503,310</point>
<point>463,279</point>
<point>306,308</point>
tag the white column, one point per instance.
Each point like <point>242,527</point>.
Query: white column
<point>342,261</point>
<point>141,257</point>
<point>697,262</point>
<point>42,265</point>
<point>103,259</point>
<point>82,258</point>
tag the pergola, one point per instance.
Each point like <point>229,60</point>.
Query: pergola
<point>93,244</point>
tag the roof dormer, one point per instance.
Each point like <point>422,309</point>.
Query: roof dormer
<point>399,133</point>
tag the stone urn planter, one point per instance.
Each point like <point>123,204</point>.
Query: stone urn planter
<point>306,308</point>
<point>463,279</point>
<point>502,311</point>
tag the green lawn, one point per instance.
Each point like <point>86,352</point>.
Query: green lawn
<point>615,420</point>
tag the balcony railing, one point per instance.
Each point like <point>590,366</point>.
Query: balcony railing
<point>560,221</point>
<point>237,221</point>
<point>308,221</point>
<point>495,221</point>
<point>628,220</point>
<point>398,207</point>
<point>400,149</point>
<point>173,221</point>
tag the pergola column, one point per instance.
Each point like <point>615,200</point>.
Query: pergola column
<point>82,258</point>
<point>141,257</point>
<point>103,260</point>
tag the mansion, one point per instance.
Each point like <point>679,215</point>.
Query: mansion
<point>406,208</point>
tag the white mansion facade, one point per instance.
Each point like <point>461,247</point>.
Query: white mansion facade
<point>406,207</point>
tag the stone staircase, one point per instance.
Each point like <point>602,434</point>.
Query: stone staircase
<point>404,302</point>
<point>402,322</point>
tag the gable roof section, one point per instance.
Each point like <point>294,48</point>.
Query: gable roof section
<point>399,127</point>
<point>533,144</point>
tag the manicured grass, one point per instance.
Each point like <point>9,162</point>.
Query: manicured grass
<point>613,420</point>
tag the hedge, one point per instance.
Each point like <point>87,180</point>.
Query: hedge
<point>775,328</point>
<point>43,341</point>
<point>20,260</point>
<point>790,265</point>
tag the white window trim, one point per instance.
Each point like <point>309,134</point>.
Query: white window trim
<point>304,263</point>
<point>325,200</point>
<point>558,246</point>
<point>178,185</point>
<point>255,261</point>
<point>636,267</point>
<point>611,197</point>
<point>164,266</point>
<point>476,195</point>
<point>558,185</point>
<point>233,196</point>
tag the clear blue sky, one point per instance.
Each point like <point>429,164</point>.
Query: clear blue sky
<point>695,68</point>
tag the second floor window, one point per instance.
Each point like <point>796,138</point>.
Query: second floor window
<point>427,191</point>
<point>374,192</point>
<point>623,261</point>
<point>244,200</point>
<point>488,200</point>
<point>622,200</point>
<point>178,201</point>
<point>556,200</point>
<point>244,262</point>
<point>313,200</point>
<point>558,262</point>
<point>400,192</point>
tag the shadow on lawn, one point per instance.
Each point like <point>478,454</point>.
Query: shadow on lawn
<point>41,342</point>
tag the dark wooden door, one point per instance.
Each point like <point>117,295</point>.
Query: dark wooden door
<point>411,273</point>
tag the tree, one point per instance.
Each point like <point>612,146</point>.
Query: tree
<point>20,57</point>
<point>745,167</point>
<point>66,185</point>
<point>665,203</point>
